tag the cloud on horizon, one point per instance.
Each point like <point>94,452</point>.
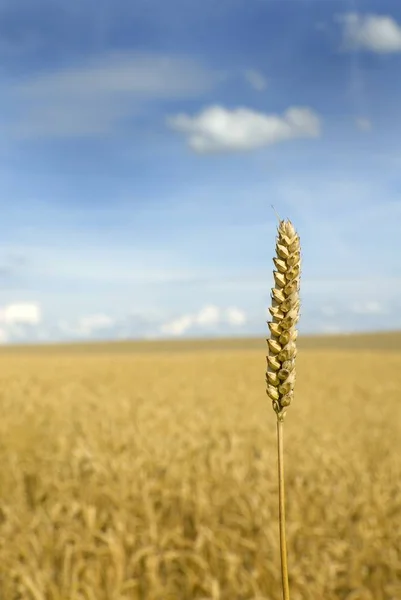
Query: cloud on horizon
<point>18,320</point>
<point>208,319</point>
<point>319,314</point>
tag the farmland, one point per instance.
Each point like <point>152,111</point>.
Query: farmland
<point>148,471</point>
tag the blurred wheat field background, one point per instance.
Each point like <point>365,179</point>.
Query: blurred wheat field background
<point>153,475</point>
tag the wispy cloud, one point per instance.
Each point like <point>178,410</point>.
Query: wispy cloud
<point>256,79</point>
<point>88,326</point>
<point>11,264</point>
<point>90,98</point>
<point>218,129</point>
<point>368,307</point>
<point>363,124</point>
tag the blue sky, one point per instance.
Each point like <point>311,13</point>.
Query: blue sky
<point>142,146</point>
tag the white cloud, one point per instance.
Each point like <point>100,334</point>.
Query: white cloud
<point>208,317</point>
<point>91,323</point>
<point>87,326</point>
<point>256,80</point>
<point>328,311</point>
<point>235,316</point>
<point>218,129</point>
<point>178,326</point>
<point>89,99</point>
<point>367,308</point>
<point>20,314</point>
<point>377,33</point>
<point>363,124</point>
<point>66,328</point>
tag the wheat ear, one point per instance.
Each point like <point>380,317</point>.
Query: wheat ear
<point>282,349</point>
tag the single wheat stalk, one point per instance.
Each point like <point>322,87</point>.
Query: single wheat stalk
<point>282,350</point>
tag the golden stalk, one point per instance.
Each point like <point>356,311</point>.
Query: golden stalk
<point>282,350</point>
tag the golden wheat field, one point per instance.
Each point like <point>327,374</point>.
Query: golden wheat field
<point>152,475</point>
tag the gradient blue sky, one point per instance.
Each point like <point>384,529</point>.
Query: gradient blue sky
<point>142,146</point>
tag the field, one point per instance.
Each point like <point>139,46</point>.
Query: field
<point>148,471</point>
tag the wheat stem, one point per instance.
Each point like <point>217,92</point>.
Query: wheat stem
<point>281,495</point>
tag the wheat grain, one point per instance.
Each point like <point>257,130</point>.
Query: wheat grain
<point>280,375</point>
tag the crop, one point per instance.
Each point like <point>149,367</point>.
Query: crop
<point>131,475</point>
